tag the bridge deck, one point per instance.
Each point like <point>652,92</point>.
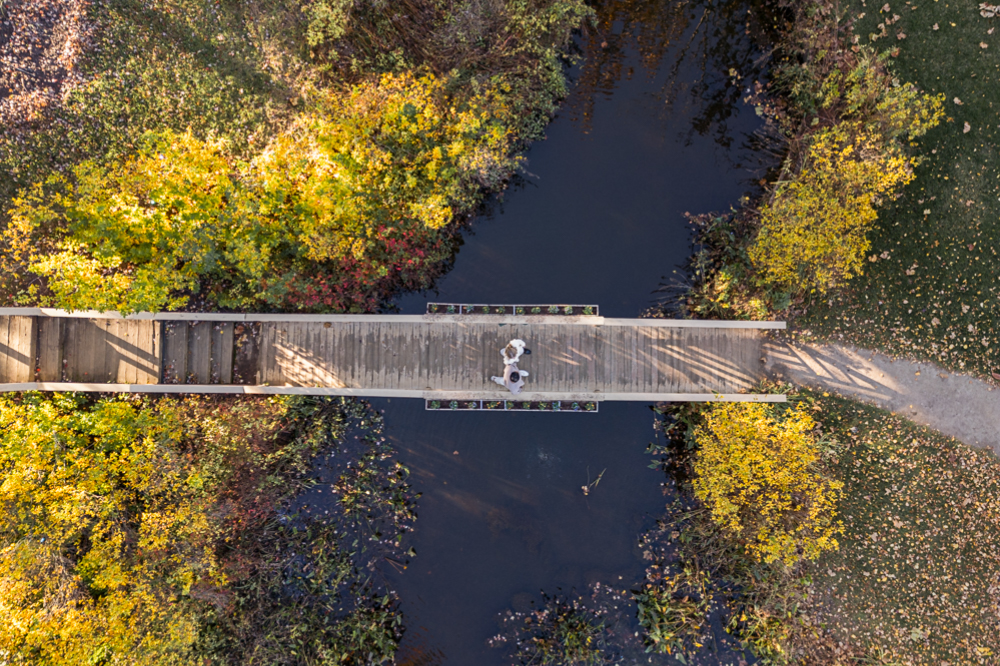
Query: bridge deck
<point>447,356</point>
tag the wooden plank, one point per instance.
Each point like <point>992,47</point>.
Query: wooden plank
<point>30,332</point>
<point>137,352</point>
<point>225,352</point>
<point>268,334</point>
<point>10,341</point>
<point>176,352</point>
<point>110,336</point>
<point>155,373</point>
<point>49,349</point>
<point>18,345</point>
<point>199,352</point>
<point>90,351</point>
<point>123,351</point>
<point>215,335</point>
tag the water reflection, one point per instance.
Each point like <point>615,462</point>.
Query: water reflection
<point>720,41</point>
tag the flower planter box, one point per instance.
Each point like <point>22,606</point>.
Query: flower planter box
<point>518,310</point>
<point>581,406</point>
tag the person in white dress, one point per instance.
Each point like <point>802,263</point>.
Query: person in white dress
<point>513,378</point>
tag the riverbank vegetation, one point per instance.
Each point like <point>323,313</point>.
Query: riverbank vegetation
<point>929,289</point>
<point>913,576</point>
<point>307,157</point>
<point>846,127</point>
<point>161,532</point>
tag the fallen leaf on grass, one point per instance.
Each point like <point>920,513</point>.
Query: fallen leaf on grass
<point>984,45</point>
<point>967,128</point>
<point>935,27</point>
<point>957,101</point>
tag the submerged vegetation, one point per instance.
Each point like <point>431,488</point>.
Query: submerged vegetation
<point>160,532</point>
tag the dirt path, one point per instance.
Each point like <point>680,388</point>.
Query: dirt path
<point>958,405</point>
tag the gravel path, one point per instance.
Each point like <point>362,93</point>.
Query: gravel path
<point>964,407</point>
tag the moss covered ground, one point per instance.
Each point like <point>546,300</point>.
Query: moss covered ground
<point>930,287</point>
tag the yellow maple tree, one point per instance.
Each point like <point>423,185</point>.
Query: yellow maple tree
<point>758,476</point>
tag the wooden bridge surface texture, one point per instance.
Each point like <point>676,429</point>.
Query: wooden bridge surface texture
<point>423,356</point>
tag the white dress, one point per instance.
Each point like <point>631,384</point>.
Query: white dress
<point>511,354</point>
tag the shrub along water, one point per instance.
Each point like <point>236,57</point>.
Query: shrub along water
<point>930,287</point>
<point>160,532</point>
<point>847,126</point>
<point>343,187</point>
<point>910,580</point>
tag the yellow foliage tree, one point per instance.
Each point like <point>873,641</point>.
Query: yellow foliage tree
<point>398,153</point>
<point>757,475</point>
<point>102,535</point>
<point>814,232</point>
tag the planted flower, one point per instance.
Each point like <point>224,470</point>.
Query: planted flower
<point>433,308</point>
<point>543,405</point>
<point>486,309</point>
<point>589,406</point>
<point>568,309</point>
<point>453,404</point>
<point>576,406</point>
<point>525,405</point>
<point>536,310</point>
<point>472,405</point>
<point>588,310</point>
<point>519,310</point>
<point>553,309</point>
<point>556,406</point>
<point>435,404</point>
<point>451,309</point>
<point>500,310</point>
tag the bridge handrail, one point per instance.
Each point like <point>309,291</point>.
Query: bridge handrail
<point>582,320</point>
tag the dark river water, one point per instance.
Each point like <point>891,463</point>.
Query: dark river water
<point>651,130</point>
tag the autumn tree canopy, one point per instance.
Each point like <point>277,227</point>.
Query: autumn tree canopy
<point>758,475</point>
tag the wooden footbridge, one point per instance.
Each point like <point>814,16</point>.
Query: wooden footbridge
<point>435,356</point>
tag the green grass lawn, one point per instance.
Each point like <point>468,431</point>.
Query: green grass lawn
<point>918,568</point>
<point>931,288</point>
<point>233,69</point>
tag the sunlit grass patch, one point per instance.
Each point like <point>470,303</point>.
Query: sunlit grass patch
<point>930,287</point>
<point>918,568</point>
<point>214,68</point>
